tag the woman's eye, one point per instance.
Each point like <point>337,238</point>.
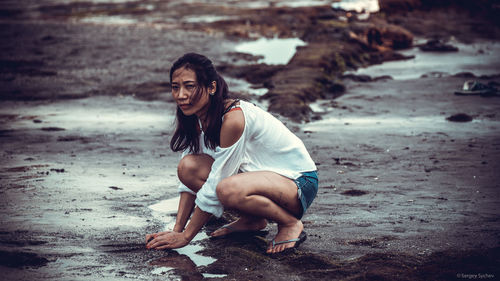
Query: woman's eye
<point>175,88</point>
<point>189,87</point>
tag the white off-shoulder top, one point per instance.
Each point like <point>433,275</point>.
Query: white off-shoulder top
<point>265,145</point>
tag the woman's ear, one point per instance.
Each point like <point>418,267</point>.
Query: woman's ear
<point>213,88</point>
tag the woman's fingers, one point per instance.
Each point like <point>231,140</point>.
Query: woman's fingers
<point>163,247</point>
<point>158,239</point>
<point>155,243</point>
<point>170,240</point>
<point>149,237</point>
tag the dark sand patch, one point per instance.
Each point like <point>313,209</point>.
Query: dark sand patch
<point>21,259</point>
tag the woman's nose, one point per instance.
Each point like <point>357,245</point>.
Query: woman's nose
<point>182,93</point>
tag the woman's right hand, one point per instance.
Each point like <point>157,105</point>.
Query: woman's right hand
<point>152,236</point>
<point>166,240</point>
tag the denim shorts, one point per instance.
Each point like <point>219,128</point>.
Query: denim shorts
<point>307,188</point>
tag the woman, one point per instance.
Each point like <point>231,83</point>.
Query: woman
<point>235,156</point>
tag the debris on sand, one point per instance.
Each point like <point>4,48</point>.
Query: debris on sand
<point>436,45</point>
<point>354,192</point>
<point>52,129</point>
<point>57,170</point>
<point>460,117</point>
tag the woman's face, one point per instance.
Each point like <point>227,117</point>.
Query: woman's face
<point>184,87</point>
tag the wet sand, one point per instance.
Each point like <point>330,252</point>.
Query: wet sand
<point>86,119</point>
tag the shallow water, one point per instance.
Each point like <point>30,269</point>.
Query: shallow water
<point>360,6</point>
<point>165,211</point>
<point>274,51</point>
<point>242,86</point>
<point>100,114</point>
<point>396,123</point>
<point>480,58</point>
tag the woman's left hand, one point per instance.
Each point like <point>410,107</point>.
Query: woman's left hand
<point>167,240</point>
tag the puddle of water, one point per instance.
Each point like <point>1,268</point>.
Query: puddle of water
<point>126,114</point>
<point>165,272</point>
<point>206,18</point>
<point>192,249</point>
<point>318,108</point>
<point>210,275</point>
<point>168,208</point>
<point>363,7</point>
<point>193,260</point>
<point>393,122</point>
<point>274,51</point>
<point>113,20</point>
<point>367,6</point>
<point>479,58</point>
<point>242,86</point>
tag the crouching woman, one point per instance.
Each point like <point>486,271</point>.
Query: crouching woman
<point>235,156</point>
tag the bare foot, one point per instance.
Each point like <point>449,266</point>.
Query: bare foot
<point>285,232</point>
<point>241,225</point>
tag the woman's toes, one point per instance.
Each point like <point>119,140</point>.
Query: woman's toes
<point>218,232</point>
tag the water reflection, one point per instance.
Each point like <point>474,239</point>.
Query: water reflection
<point>176,264</point>
<point>184,262</point>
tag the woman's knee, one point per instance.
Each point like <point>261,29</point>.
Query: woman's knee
<point>185,167</point>
<point>194,169</point>
<point>227,192</point>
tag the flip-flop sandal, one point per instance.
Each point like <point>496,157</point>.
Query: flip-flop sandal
<point>302,237</point>
<point>475,88</point>
<point>234,231</point>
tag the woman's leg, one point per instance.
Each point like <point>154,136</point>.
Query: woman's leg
<point>245,222</point>
<point>192,171</point>
<point>265,195</point>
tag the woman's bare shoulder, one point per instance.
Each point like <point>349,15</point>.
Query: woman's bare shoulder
<point>232,128</point>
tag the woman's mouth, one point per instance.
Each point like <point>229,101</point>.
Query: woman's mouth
<point>184,106</point>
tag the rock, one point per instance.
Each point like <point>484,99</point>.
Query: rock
<point>391,6</point>
<point>464,75</point>
<point>396,37</point>
<point>380,35</point>
<point>436,45</point>
<point>354,192</point>
<point>357,78</point>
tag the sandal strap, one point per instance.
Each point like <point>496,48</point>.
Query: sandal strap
<point>228,226</point>
<point>286,241</point>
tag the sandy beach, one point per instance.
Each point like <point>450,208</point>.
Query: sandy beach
<point>409,181</point>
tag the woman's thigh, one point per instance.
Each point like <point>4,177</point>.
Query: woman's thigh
<point>281,190</point>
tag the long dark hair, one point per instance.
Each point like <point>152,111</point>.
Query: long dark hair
<point>187,134</point>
